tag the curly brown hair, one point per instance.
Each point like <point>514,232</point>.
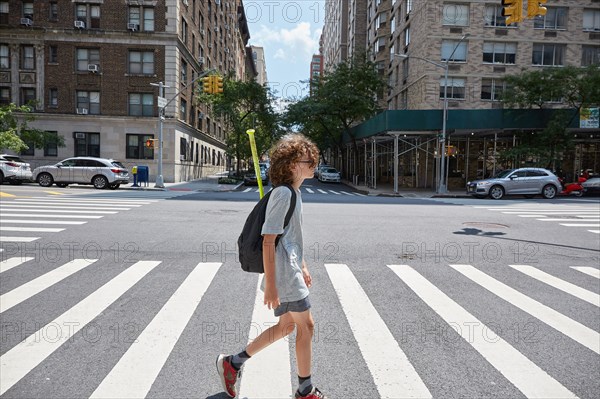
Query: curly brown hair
<point>286,152</point>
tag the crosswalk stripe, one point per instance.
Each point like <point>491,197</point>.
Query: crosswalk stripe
<point>19,207</point>
<point>590,271</point>
<point>394,375</point>
<point>68,200</point>
<point>268,375</point>
<point>133,375</point>
<point>347,193</point>
<point>30,352</point>
<point>54,193</point>
<point>568,220</point>
<point>594,231</point>
<point>4,221</point>
<point>580,224</point>
<point>27,215</point>
<point>88,204</point>
<point>5,210</point>
<point>530,379</point>
<point>12,262</point>
<point>569,327</point>
<point>552,213</point>
<point>17,239</point>
<point>27,290</point>
<point>322,191</point>
<point>309,190</point>
<point>246,190</point>
<point>334,192</point>
<point>32,229</point>
<point>557,283</point>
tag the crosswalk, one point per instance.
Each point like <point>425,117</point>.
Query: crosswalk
<point>309,190</point>
<point>393,370</point>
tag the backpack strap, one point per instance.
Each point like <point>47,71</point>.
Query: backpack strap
<point>290,212</point>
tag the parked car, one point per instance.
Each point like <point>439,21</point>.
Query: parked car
<point>330,174</point>
<point>23,169</point>
<point>8,170</point>
<point>101,172</point>
<point>591,186</point>
<point>320,169</point>
<point>524,181</point>
<point>250,176</point>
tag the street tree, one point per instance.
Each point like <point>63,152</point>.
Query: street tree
<point>15,133</point>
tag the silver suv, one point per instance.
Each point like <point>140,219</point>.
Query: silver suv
<point>524,181</point>
<point>14,169</point>
<point>101,172</point>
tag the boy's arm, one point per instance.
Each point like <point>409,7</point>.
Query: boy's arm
<point>271,294</point>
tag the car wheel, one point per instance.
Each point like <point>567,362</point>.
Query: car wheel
<point>114,186</point>
<point>496,192</point>
<point>100,182</point>
<point>45,179</point>
<point>61,185</point>
<point>549,191</point>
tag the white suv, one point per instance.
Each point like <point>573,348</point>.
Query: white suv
<point>101,172</point>
<point>14,169</point>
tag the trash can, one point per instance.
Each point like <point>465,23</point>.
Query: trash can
<point>143,173</point>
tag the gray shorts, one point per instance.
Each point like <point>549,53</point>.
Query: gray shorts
<point>295,306</point>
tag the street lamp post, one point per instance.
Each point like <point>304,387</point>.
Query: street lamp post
<point>442,185</point>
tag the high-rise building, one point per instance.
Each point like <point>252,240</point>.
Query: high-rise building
<point>335,33</point>
<point>91,68</point>
<point>316,71</point>
<point>258,56</point>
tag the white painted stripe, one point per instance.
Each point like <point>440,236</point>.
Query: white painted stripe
<point>569,220</point>
<point>86,201</point>
<point>553,212</point>
<point>33,287</point>
<point>27,215</point>
<point>246,190</point>
<point>40,221</point>
<point>5,210</point>
<point>31,229</point>
<point>17,239</point>
<point>530,379</point>
<point>12,262</point>
<point>334,192</point>
<point>594,231</point>
<point>580,224</point>
<point>590,271</point>
<point>394,375</point>
<point>531,216</point>
<point>87,204</point>
<point>30,352</point>
<point>557,283</point>
<point>534,209</point>
<point>359,194</point>
<point>268,374</point>
<point>133,375</point>
<point>322,191</point>
<point>347,193</point>
<point>309,190</point>
<point>68,198</point>
<point>13,206</point>
<point>569,327</point>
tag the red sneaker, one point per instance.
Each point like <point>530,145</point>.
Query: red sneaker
<point>228,375</point>
<point>314,394</point>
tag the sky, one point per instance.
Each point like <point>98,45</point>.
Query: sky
<point>289,32</point>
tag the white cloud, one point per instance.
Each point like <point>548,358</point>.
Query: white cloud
<point>280,54</point>
<point>299,39</point>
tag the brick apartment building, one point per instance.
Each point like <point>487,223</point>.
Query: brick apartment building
<point>90,66</point>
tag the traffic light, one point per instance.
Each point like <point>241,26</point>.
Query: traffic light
<point>207,85</point>
<point>535,8</point>
<point>512,10</point>
<point>149,143</point>
<point>218,84</point>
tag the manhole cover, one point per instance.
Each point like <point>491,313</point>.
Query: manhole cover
<point>485,225</point>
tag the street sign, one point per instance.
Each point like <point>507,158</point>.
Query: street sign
<point>162,102</point>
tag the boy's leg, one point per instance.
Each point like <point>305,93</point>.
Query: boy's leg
<point>305,327</point>
<point>284,327</point>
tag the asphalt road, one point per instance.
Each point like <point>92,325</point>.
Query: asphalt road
<point>411,297</point>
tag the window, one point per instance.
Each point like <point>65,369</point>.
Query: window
<point>141,104</point>
<point>95,17</point>
<point>408,6</point>
<point>81,12</point>
<point>456,14</point>
<point>4,95</point>
<point>53,97</point>
<point>555,18</point>
<point>407,36</point>
<point>53,11</point>
<point>4,12</point>
<point>449,46</point>
<point>28,10</point>
<point>183,149</point>
<point>89,100</point>
<point>492,89</point>
<point>183,31</point>
<point>87,145</point>
<point>493,16</point>
<point>149,19</point>
<point>53,54</point>
<point>184,73</point>
<point>136,146</point>
<point>590,55</point>
<point>183,110</point>
<point>30,151</point>
<point>392,25</point>
<point>86,57</point>
<point>4,56</point>
<point>51,146</point>
<point>27,95</point>
<point>499,53</point>
<point>141,62</point>
<point>456,88</point>
<point>27,57</point>
<point>591,19</point>
<point>548,54</point>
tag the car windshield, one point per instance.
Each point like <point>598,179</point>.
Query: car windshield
<point>504,173</point>
<point>331,170</point>
<point>13,158</point>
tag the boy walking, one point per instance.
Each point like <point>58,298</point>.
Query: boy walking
<point>286,280</point>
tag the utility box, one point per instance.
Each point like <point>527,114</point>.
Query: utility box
<point>143,174</point>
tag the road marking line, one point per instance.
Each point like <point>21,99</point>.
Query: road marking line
<point>23,207</point>
<point>17,239</point>
<point>26,215</point>
<point>40,222</point>
<point>12,262</point>
<point>530,379</point>
<point>3,194</point>
<point>569,327</point>
<point>322,191</point>
<point>557,283</point>
<point>267,376</point>
<point>580,225</point>
<point>590,271</point>
<point>54,193</point>
<point>95,199</point>
<point>30,352</point>
<point>394,375</point>
<point>309,190</point>
<point>246,190</point>
<point>49,203</point>
<point>594,231</point>
<point>334,192</point>
<point>589,213</point>
<point>347,193</point>
<point>32,229</point>
<point>55,211</point>
<point>33,287</point>
<point>135,372</point>
<point>570,220</point>
<point>531,216</point>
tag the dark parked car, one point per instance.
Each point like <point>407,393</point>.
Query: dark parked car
<point>591,186</point>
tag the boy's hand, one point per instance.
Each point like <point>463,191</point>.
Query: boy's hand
<point>271,297</point>
<point>306,275</point>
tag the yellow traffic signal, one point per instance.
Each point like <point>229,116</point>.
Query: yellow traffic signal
<point>218,84</point>
<point>207,84</point>
<point>512,10</point>
<point>535,8</point>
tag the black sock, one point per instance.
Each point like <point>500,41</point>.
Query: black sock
<point>304,385</point>
<point>237,361</point>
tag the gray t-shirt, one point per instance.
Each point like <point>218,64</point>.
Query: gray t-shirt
<point>289,252</point>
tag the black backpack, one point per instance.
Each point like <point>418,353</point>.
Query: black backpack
<point>251,240</point>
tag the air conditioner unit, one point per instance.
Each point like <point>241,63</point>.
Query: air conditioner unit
<point>82,111</point>
<point>133,27</point>
<point>226,51</point>
<point>93,68</point>
<point>216,29</point>
<point>26,21</point>
<point>79,24</point>
<point>202,32</point>
<point>201,60</point>
<point>209,45</point>
<point>80,135</point>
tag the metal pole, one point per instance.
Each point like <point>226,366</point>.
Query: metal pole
<point>442,183</point>
<point>495,140</point>
<point>396,163</point>
<point>161,110</point>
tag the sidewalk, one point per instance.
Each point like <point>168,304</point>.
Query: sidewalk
<point>387,190</point>
<point>207,184</point>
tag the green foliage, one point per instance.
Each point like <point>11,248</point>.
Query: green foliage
<point>15,132</point>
